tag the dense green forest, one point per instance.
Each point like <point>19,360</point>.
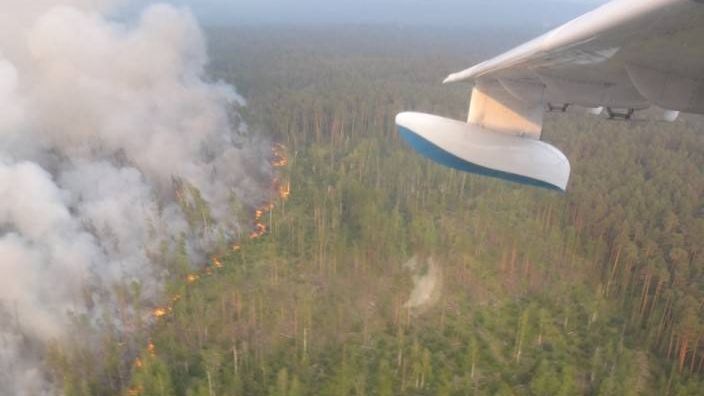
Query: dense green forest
<point>386,274</point>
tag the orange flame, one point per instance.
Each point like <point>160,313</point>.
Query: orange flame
<point>217,263</point>
<point>190,278</point>
<point>280,158</point>
<point>236,247</point>
<point>284,190</point>
<point>259,230</point>
<point>136,391</point>
<point>151,348</point>
<point>161,312</point>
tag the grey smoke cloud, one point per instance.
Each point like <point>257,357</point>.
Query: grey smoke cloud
<point>107,130</point>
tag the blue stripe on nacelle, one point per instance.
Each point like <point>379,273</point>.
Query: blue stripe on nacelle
<point>442,157</point>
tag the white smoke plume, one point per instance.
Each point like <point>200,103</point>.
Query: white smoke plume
<point>114,148</point>
<point>427,284</point>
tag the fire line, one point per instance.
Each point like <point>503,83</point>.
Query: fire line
<point>283,191</point>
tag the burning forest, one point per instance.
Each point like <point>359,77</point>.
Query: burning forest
<point>117,156</point>
<point>259,229</point>
<point>283,190</point>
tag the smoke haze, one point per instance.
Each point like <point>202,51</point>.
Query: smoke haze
<point>427,283</point>
<point>433,13</point>
<point>114,149</point>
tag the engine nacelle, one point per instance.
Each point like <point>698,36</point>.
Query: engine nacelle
<point>472,148</point>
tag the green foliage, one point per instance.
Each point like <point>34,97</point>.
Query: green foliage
<point>153,378</point>
<point>593,292</point>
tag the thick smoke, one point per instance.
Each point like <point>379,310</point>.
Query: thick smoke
<point>114,152</point>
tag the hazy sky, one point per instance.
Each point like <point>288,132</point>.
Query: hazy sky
<point>467,13</point>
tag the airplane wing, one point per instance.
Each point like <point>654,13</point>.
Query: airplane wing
<point>625,56</point>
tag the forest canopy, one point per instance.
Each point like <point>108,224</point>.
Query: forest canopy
<point>598,291</point>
